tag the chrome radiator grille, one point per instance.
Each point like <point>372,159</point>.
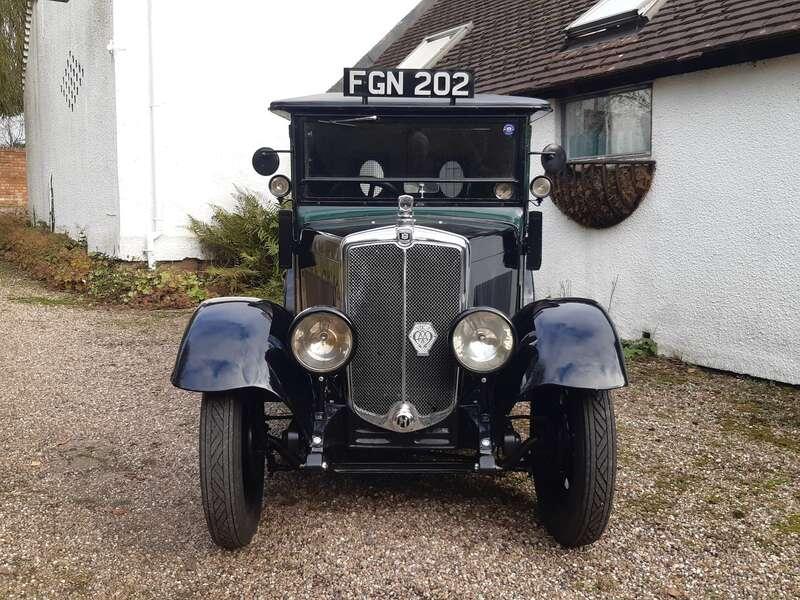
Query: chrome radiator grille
<point>387,289</point>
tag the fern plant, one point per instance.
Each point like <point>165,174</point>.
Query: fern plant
<point>243,245</point>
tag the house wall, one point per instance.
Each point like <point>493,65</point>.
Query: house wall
<point>188,126</point>
<point>709,263</point>
<point>13,181</point>
<point>69,121</point>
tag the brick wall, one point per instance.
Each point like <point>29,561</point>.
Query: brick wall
<point>13,181</point>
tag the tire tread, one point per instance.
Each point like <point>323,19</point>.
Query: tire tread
<point>220,456</point>
<point>592,413</point>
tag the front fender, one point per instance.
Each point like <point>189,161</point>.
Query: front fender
<point>234,343</point>
<point>569,342</point>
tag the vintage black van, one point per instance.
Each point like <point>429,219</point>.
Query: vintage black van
<point>411,339</point>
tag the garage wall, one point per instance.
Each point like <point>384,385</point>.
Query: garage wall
<point>709,264</point>
<point>69,121</point>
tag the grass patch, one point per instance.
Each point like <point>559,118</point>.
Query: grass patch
<point>768,485</point>
<point>790,524</point>
<point>762,412</point>
<point>45,300</point>
<point>761,434</point>
<point>668,487</point>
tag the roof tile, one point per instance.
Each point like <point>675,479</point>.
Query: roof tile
<point>518,46</point>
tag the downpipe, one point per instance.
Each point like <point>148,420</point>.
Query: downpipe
<point>155,226</point>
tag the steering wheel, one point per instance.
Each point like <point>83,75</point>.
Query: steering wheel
<point>370,192</point>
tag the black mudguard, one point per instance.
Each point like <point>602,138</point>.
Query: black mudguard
<point>569,342</point>
<point>235,343</point>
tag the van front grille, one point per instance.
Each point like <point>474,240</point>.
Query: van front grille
<point>387,289</point>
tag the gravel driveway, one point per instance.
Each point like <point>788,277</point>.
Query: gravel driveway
<point>99,493</point>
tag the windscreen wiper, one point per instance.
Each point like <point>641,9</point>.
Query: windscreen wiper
<point>349,122</point>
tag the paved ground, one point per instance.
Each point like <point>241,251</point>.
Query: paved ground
<point>99,492</point>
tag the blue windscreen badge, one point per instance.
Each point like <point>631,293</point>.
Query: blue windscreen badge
<point>509,129</point>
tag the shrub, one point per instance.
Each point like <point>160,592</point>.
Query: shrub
<point>243,245</point>
<point>633,349</point>
<point>110,281</point>
<point>64,264</point>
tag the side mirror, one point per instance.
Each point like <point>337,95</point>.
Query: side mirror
<point>554,159</point>
<point>533,260</point>
<point>266,161</point>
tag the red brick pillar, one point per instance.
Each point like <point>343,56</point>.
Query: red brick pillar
<point>13,181</point>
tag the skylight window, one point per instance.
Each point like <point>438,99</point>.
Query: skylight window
<point>608,16</point>
<point>434,47</point>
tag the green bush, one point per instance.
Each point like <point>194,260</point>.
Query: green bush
<point>243,246</point>
<point>111,281</point>
<point>242,242</point>
<point>633,349</point>
<point>63,263</point>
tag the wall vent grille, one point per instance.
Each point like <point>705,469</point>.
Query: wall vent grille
<point>72,81</point>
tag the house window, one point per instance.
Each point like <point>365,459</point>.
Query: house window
<point>608,16</point>
<point>434,47</point>
<point>615,124</point>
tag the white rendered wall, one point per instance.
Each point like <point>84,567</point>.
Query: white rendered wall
<point>70,133</point>
<point>217,66</point>
<point>710,261</point>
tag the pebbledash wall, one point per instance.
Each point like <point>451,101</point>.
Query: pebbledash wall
<point>13,181</point>
<point>142,112</point>
<point>69,121</point>
<point>709,263</point>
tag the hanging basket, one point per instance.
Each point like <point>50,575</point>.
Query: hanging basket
<point>600,193</point>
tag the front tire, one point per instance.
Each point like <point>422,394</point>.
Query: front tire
<point>232,466</point>
<point>575,463</point>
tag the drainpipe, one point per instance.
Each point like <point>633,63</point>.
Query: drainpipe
<point>155,213</point>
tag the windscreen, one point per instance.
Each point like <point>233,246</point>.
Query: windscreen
<point>443,158</point>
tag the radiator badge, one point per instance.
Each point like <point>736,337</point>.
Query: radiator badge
<point>422,337</point>
<point>405,220</point>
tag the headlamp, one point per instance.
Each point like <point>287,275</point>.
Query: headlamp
<point>280,186</point>
<point>482,340</point>
<point>541,187</point>
<point>321,339</point>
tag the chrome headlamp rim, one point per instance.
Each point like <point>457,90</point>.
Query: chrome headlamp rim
<point>549,186</point>
<point>312,311</point>
<point>278,177</point>
<point>475,309</point>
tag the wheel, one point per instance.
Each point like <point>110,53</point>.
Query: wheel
<point>232,466</point>
<point>575,463</point>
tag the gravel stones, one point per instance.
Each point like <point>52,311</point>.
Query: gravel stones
<point>99,492</point>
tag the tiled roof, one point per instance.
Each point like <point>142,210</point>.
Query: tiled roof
<point>518,46</point>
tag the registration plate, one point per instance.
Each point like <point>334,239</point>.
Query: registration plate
<point>408,83</point>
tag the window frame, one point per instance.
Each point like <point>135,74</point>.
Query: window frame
<point>608,92</point>
<point>633,17</point>
<point>519,179</point>
<point>456,34</point>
